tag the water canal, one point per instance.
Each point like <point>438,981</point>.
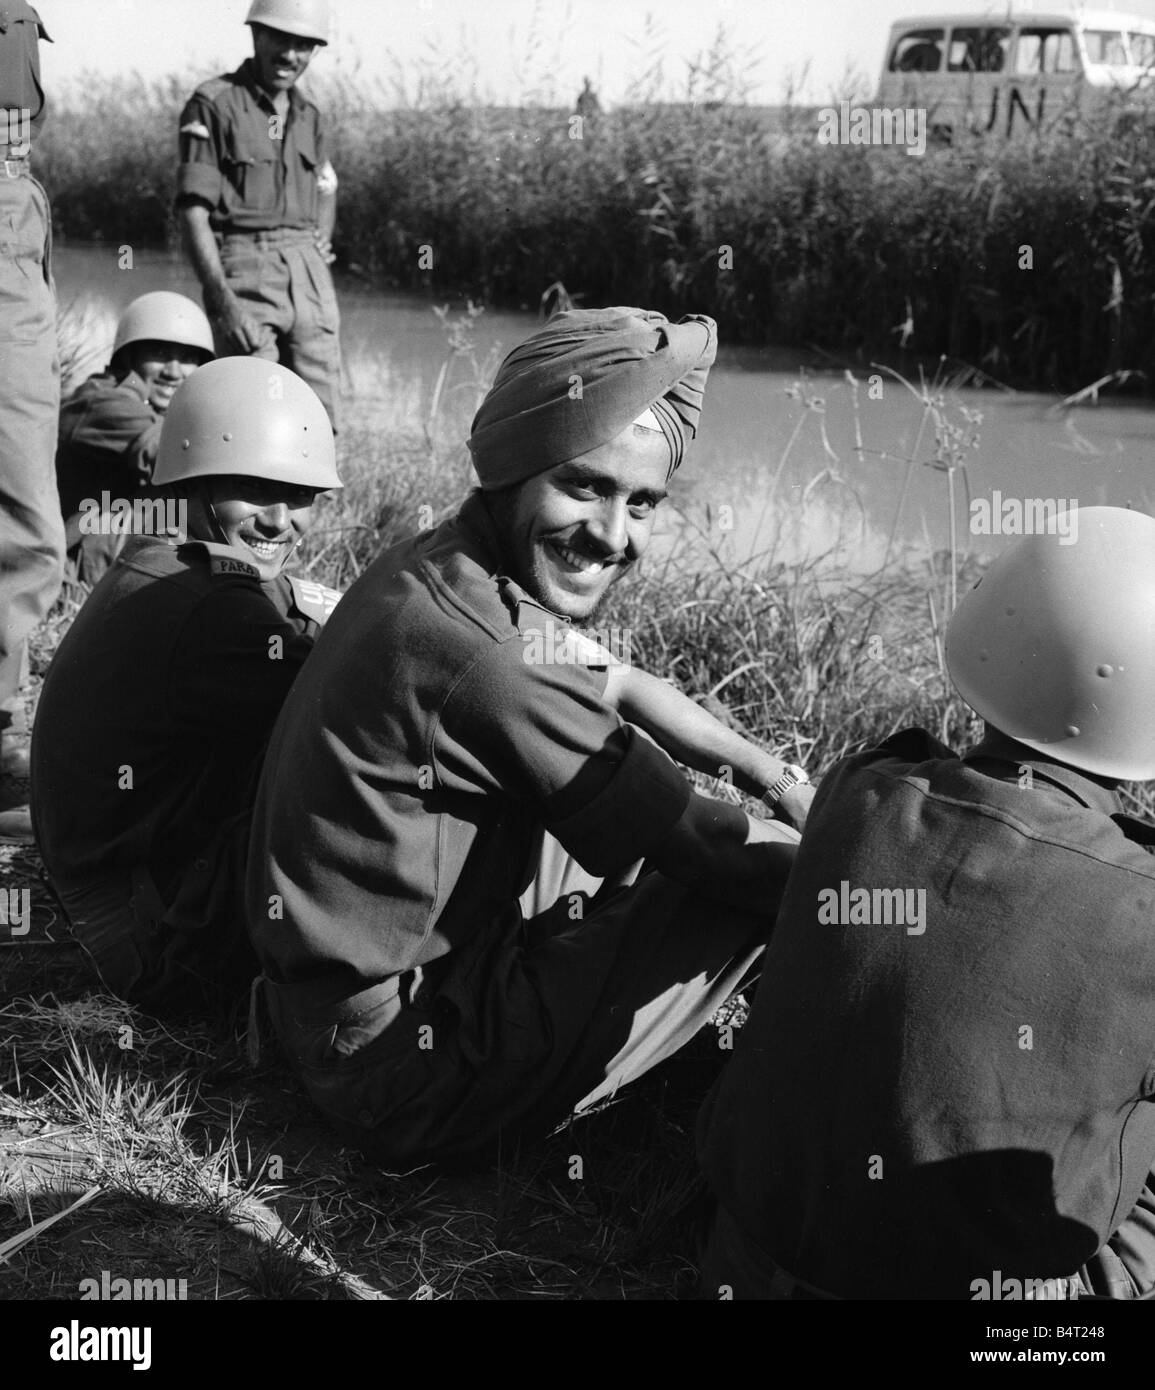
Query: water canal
<point>804,463</point>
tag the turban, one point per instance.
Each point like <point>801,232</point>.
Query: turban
<point>582,379</point>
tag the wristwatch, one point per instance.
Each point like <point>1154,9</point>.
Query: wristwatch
<point>792,776</point>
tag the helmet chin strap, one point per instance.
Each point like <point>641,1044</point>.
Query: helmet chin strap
<point>213,518</point>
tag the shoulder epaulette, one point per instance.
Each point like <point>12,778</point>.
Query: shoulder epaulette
<point>313,600</point>
<point>213,88</point>
<point>224,560</point>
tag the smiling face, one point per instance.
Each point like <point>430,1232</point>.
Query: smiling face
<point>280,58</point>
<point>571,533</point>
<point>162,367</point>
<point>263,520</point>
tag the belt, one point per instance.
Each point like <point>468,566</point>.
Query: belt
<point>274,236</point>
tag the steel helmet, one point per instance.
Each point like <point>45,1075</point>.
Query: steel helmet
<point>247,417</point>
<point>1055,645</point>
<point>166,318</point>
<point>308,19</point>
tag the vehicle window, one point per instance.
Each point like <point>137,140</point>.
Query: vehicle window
<point>978,50</point>
<point>1046,51</point>
<point>1105,46</point>
<point>918,51</point>
<point>1142,49</point>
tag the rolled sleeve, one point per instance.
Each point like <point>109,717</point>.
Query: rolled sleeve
<point>631,815</point>
<point>544,734</point>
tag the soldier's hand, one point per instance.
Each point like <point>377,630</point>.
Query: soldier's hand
<point>325,246</point>
<point>238,327</point>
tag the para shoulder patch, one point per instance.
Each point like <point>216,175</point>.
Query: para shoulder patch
<point>198,129</point>
<point>224,560</point>
<point>313,600</point>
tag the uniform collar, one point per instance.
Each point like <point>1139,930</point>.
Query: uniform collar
<point>246,75</point>
<point>474,519</point>
<point>1094,792</point>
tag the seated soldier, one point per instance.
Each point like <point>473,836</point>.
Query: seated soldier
<point>158,703</point>
<point>110,426</point>
<point>446,887</point>
<point>945,1086</point>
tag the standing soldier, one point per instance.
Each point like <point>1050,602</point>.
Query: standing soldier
<point>258,200</point>
<point>31,531</point>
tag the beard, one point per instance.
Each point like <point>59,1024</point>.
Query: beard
<point>525,563</point>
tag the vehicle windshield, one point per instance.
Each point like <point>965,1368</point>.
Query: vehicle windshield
<point>1142,49</point>
<point>978,50</point>
<point>1042,50</point>
<point>1106,46</point>
<point>918,50</point>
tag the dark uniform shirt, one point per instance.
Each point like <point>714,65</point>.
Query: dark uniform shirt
<point>907,1112</point>
<point>232,159</point>
<point>433,753</point>
<point>157,707</point>
<point>109,434</point>
<point>20,90</point>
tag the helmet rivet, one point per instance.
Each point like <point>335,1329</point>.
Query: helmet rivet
<point>1072,731</point>
<point>1106,670</point>
<point>228,434</point>
<point>1010,612</point>
<point>185,444</point>
<point>304,453</point>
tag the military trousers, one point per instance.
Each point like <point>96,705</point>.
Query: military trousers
<point>283,283</point>
<point>583,987</point>
<point>170,943</point>
<point>31,528</point>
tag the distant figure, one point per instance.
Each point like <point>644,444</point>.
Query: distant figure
<point>257,198</point>
<point>588,104</point>
<point>110,425</point>
<point>921,57</point>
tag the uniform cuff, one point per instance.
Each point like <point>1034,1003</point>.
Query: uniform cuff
<point>631,815</point>
<point>199,181</point>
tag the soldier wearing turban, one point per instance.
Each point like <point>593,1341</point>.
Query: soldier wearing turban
<point>481,896</point>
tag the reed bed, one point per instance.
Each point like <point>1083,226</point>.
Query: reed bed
<point>686,198</point>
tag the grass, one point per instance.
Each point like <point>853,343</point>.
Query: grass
<point>1032,260</point>
<point>166,1151</point>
